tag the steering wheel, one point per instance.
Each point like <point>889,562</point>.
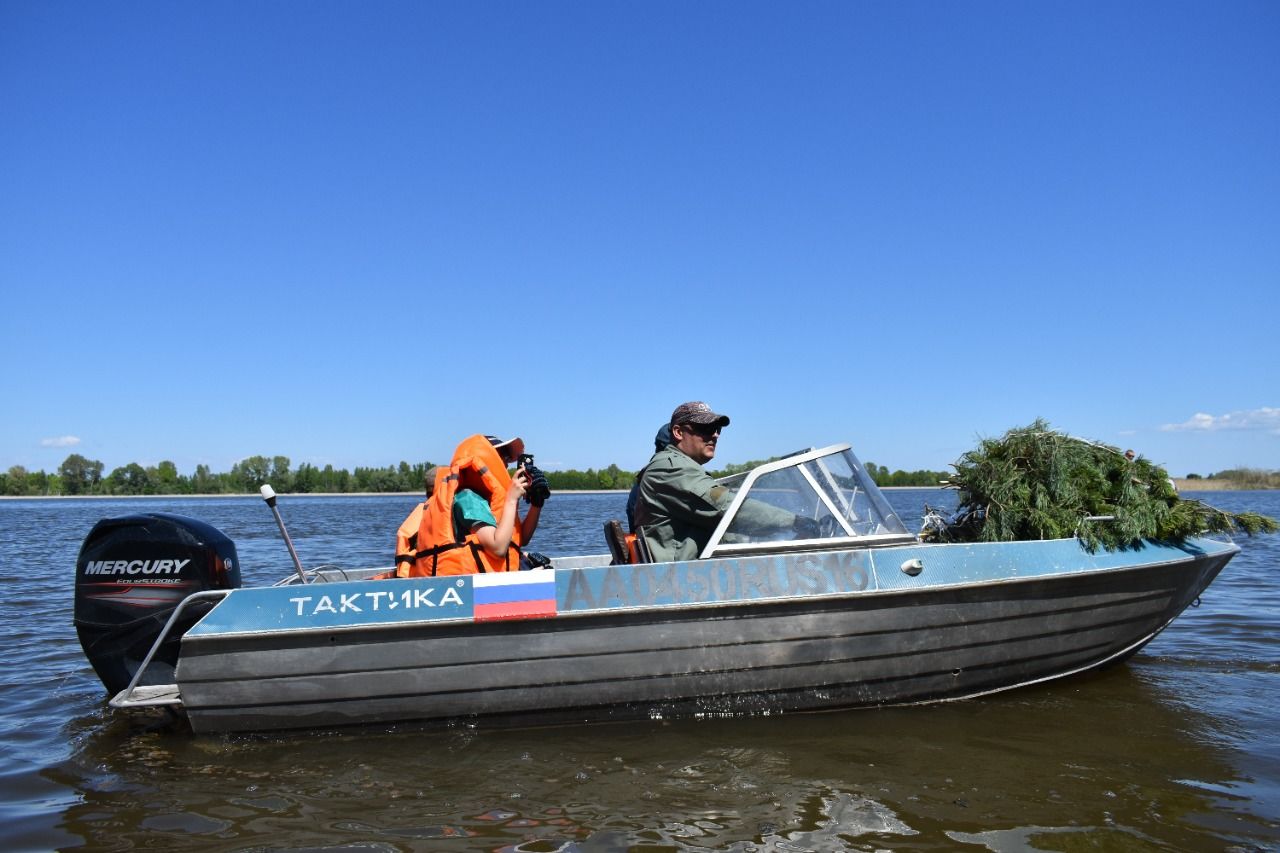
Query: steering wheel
<point>829,527</point>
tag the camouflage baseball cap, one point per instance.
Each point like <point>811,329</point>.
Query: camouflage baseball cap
<point>697,412</point>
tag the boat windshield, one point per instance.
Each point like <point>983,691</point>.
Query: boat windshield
<point>815,499</point>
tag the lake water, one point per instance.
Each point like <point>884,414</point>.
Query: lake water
<point>1177,750</point>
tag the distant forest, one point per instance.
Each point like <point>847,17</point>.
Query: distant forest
<point>81,476</point>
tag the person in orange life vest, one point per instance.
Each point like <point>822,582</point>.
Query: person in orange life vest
<point>472,522</point>
<point>473,514</point>
<point>407,534</point>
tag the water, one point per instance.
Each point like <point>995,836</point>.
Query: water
<point>1174,751</point>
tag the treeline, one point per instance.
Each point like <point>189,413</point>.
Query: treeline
<point>919,479</point>
<point>1244,478</point>
<point>80,476</point>
<point>614,477</point>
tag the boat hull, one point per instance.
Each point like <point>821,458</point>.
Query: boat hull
<point>721,637</point>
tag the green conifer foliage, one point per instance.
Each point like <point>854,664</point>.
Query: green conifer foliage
<point>1035,483</point>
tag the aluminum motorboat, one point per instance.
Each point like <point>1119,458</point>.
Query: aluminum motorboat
<point>862,613</point>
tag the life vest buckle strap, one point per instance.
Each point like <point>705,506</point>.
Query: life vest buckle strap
<point>439,549</point>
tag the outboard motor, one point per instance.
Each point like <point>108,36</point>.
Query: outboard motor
<point>131,574</point>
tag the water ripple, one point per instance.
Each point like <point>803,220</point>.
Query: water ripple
<point>1174,751</point>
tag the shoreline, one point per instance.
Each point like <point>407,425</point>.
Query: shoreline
<point>257,496</point>
<point>1182,484</point>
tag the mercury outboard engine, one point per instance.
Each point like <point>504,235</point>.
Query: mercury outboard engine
<point>131,574</point>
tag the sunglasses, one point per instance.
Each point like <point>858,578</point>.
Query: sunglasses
<point>702,430</point>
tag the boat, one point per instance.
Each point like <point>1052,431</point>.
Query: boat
<point>860,614</point>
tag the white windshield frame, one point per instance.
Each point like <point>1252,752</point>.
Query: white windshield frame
<point>852,540</point>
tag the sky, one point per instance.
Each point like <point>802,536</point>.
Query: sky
<point>355,233</point>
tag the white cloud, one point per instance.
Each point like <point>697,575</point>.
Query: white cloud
<point>1265,419</point>
<point>60,441</point>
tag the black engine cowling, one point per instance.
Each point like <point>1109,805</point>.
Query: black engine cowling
<point>131,574</point>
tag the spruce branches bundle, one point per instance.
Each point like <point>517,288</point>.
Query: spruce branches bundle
<point>1035,483</point>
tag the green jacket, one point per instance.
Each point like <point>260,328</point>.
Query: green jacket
<point>675,506</point>
<point>678,512</point>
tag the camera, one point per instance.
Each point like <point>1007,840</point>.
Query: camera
<point>539,490</point>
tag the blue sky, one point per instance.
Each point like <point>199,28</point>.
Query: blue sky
<point>355,233</point>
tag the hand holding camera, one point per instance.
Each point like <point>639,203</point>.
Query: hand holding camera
<point>539,489</point>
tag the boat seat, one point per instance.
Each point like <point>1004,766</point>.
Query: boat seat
<point>617,542</point>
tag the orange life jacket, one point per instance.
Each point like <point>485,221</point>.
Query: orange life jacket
<point>476,466</point>
<point>407,537</point>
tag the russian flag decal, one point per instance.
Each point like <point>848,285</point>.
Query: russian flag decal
<point>514,595</point>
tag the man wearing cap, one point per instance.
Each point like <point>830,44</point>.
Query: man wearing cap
<point>679,505</point>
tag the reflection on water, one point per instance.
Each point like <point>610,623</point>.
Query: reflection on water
<point>1175,751</point>
<point>1111,760</point>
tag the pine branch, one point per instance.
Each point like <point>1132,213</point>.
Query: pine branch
<point>1036,483</point>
